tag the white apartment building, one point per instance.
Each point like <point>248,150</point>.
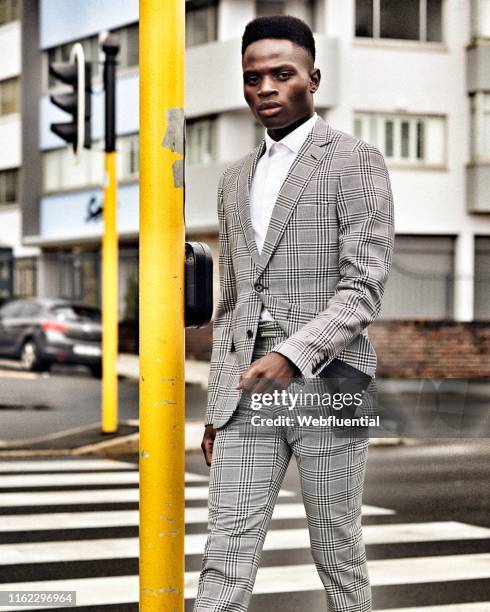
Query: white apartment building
<point>409,76</point>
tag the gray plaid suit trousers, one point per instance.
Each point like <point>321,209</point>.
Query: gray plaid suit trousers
<point>246,474</point>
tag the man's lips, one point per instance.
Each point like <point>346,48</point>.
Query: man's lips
<point>269,108</point>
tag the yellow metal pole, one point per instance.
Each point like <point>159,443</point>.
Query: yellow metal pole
<point>109,298</point>
<point>162,239</point>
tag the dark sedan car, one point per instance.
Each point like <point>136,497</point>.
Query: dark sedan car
<point>41,332</point>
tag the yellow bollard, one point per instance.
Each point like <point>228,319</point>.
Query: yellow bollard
<point>109,298</point>
<point>162,240</point>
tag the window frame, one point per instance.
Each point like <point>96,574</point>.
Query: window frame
<point>11,8</point>
<point>376,37</point>
<point>122,33</point>
<point>126,144</point>
<point>374,122</point>
<point>477,11</point>
<point>212,18</point>
<point>15,81</point>
<point>480,106</point>
<point>197,160</point>
<point>3,187</point>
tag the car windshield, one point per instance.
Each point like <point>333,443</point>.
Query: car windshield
<point>71,312</point>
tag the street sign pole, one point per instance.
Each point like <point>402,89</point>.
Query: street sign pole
<point>162,240</point>
<point>110,248</point>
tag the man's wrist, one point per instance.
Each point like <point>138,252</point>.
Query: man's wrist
<point>296,370</point>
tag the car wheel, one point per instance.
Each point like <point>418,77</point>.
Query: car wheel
<point>29,357</point>
<point>96,371</point>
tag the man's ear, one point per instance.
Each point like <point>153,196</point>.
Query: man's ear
<point>315,77</point>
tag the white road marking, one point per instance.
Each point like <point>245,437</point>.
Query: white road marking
<point>66,465</point>
<point>290,578</point>
<point>67,480</point>
<point>276,539</point>
<point>102,496</point>
<point>479,606</point>
<point>130,518</point>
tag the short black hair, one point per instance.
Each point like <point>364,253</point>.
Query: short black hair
<point>282,27</point>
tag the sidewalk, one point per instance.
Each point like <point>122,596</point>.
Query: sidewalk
<point>196,372</point>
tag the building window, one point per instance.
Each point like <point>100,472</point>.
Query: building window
<point>416,289</point>
<point>10,96</point>
<point>60,172</point>
<point>128,166</point>
<point>482,278</point>
<point>405,139</point>
<point>79,275</point>
<point>25,277</point>
<point>9,186</point>
<point>264,8</point>
<point>480,126</point>
<point>304,9</point>
<point>200,141</point>
<point>201,22</point>
<point>9,11</point>
<point>399,19</point>
<point>480,18</point>
<point>128,56</point>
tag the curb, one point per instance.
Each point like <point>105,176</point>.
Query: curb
<point>82,442</point>
<point>125,444</point>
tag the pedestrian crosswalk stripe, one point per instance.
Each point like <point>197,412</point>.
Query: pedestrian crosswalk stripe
<point>94,496</point>
<point>278,579</point>
<point>130,518</point>
<point>66,465</point>
<point>276,539</point>
<point>68,480</point>
<point>480,606</point>
<point>73,475</point>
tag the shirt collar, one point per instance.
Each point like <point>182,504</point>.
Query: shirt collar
<point>295,139</point>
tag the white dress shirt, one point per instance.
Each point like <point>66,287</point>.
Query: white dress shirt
<point>270,173</point>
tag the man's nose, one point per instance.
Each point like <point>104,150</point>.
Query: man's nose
<point>267,87</point>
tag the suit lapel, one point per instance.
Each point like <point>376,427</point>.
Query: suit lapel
<point>244,184</point>
<point>299,174</point>
<point>306,162</point>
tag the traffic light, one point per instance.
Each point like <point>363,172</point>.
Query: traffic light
<point>77,73</point>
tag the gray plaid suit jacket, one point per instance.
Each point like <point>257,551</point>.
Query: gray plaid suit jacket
<point>322,269</point>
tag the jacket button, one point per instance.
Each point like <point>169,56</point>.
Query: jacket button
<point>250,333</point>
<point>258,287</point>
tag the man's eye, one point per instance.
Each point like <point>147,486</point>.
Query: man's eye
<point>284,75</point>
<point>251,80</point>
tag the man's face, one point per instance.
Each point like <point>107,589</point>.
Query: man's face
<point>279,80</point>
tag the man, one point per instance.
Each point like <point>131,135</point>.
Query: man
<point>306,241</point>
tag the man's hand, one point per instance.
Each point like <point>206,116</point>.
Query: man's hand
<point>273,371</point>
<point>207,443</point>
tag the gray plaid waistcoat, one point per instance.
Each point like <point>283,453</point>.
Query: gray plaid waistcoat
<point>322,270</point>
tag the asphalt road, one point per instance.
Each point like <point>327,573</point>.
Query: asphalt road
<point>33,404</point>
<point>73,524</point>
